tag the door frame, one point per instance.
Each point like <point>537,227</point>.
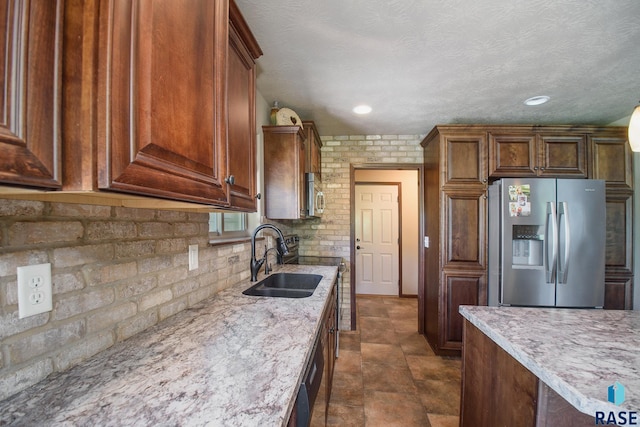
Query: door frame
<point>421,267</point>
<point>398,185</point>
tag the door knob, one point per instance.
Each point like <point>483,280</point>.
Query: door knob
<point>358,247</point>
<point>230,179</point>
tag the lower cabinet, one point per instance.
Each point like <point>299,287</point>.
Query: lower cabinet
<point>327,342</point>
<point>328,337</point>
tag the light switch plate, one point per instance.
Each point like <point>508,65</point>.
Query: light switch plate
<point>35,295</point>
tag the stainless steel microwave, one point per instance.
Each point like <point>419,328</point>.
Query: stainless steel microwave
<point>315,196</point>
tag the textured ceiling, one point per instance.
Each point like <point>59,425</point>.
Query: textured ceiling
<point>426,62</point>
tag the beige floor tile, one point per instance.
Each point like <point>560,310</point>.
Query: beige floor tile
<point>390,378</point>
<point>345,415</point>
<point>433,368</point>
<point>347,389</point>
<point>388,354</point>
<point>393,409</point>
<point>349,361</point>
<point>443,420</point>
<point>440,397</point>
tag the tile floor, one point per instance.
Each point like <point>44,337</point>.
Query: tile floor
<point>387,375</point>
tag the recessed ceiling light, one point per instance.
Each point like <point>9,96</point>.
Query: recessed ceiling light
<point>537,100</point>
<point>362,109</point>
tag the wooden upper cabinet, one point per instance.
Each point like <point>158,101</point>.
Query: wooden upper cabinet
<point>30,93</point>
<point>241,112</point>
<point>161,124</point>
<point>313,146</point>
<point>512,154</point>
<point>284,166</point>
<point>562,155</point>
<point>519,153</point>
<point>612,159</point>
<point>464,159</point>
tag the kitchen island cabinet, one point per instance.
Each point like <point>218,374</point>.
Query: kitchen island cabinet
<point>232,360</point>
<point>547,366</point>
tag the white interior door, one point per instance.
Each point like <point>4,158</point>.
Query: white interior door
<point>377,239</point>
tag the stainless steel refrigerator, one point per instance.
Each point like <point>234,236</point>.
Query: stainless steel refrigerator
<point>547,242</point>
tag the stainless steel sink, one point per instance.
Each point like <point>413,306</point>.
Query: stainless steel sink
<point>285,285</point>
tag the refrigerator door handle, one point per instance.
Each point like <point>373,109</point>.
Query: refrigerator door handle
<point>563,270</point>
<point>550,267</point>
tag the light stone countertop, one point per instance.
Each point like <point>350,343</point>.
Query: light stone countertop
<point>232,360</point>
<point>577,353</point>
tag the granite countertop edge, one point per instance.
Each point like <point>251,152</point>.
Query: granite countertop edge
<point>229,360</point>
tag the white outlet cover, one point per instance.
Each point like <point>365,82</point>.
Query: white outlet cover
<point>35,294</point>
<point>193,257</point>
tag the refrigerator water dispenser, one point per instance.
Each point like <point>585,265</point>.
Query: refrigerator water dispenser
<point>527,246</point>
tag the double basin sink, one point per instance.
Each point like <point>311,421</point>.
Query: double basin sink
<point>285,285</point>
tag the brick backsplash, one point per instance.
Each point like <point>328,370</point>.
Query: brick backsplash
<point>115,272</point>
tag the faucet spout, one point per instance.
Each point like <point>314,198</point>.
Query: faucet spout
<point>255,264</point>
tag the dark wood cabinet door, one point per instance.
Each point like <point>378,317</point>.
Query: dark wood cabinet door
<point>284,156</point>
<point>313,146</point>
<point>465,226</point>
<point>512,155</point>
<point>562,155</point>
<point>465,158</point>
<point>619,223</point>
<point>612,160</point>
<point>30,93</point>
<point>618,293</point>
<point>161,91</point>
<point>241,87</point>
<point>460,288</point>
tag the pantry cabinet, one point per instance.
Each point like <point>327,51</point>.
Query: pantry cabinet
<point>30,94</point>
<point>612,161</point>
<point>152,98</point>
<point>456,224</point>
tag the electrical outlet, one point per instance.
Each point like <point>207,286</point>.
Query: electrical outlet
<point>34,290</point>
<point>193,257</point>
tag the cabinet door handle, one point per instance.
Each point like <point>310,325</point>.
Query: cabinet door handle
<point>230,180</point>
